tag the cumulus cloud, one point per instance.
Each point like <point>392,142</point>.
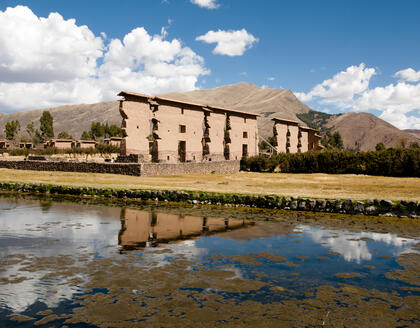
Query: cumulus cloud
<point>399,103</point>
<point>409,75</point>
<point>209,4</point>
<point>230,43</point>
<point>52,61</point>
<point>36,49</point>
<point>343,86</point>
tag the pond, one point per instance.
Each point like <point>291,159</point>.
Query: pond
<point>85,264</point>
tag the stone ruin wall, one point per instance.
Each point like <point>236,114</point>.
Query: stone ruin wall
<point>136,169</point>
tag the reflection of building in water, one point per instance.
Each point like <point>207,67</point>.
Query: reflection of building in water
<point>142,228</point>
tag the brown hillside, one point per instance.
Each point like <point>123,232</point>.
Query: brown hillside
<point>358,129</point>
<point>72,118</point>
<point>413,132</point>
<point>248,97</point>
<point>365,131</point>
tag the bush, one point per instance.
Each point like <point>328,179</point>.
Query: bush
<point>100,149</point>
<point>387,162</point>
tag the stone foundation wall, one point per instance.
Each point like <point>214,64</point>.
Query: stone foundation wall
<point>374,207</point>
<point>136,169</point>
<point>220,167</point>
<point>85,167</point>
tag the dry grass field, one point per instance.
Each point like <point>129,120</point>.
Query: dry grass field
<point>357,187</point>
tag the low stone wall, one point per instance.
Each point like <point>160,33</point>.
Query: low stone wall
<point>85,167</point>
<point>375,207</point>
<point>137,169</point>
<point>219,167</point>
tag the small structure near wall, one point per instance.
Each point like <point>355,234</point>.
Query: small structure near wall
<point>311,138</point>
<point>290,137</point>
<point>113,141</point>
<point>4,145</point>
<point>86,143</point>
<point>27,145</point>
<point>60,143</point>
<point>165,130</point>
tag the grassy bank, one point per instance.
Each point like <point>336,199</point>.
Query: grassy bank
<point>349,186</point>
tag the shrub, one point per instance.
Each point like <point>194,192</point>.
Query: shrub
<point>387,162</point>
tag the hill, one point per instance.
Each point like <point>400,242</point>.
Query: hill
<point>71,118</point>
<point>364,131</point>
<point>359,130</point>
<point>413,132</point>
<point>244,96</point>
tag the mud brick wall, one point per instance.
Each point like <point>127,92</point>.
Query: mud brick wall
<point>126,169</point>
<point>220,167</point>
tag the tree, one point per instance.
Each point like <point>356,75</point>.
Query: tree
<point>30,129</point>
<point>64,135</point>
<point>85,136</point>
<point>337,140</point>
<point>380,146</point>
<point>46,125</point>
<point>97,130</point>
<point>11,129</point>
<point>112,131</point>
<point>332,140</point>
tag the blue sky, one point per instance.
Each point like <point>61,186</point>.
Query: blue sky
<point>336,56</point>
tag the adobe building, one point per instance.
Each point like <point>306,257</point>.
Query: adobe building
<point>310,138</point>
<point>86,143</point>
<point>113,141</point>
<point>27,145</point>
<point>165,130</point>
<point>60,143</point>
<point>4,145</point>
<point>290,137</point>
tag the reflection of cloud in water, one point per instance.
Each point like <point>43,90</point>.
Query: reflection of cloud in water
<point>349,244</point>
<point>19,296</point>
<point>28,229</point>
<point>186,249</point>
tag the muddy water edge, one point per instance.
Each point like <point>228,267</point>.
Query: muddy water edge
<point>81,262</point>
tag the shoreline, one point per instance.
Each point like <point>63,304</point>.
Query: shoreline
<point>374,207</point>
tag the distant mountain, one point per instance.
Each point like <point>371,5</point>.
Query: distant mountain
<point>248,97</point>
<point>364,131</point>
<point>71,118</point>
<point>413,132</point>
<point>359,130</point>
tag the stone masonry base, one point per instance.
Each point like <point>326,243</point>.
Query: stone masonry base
<point>136,169</point>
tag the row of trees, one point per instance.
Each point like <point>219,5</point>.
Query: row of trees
<point>388,162</point>
<point>99,130</point>
<point>46,130</point>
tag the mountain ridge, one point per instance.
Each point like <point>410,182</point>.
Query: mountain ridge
<point>359,130</point>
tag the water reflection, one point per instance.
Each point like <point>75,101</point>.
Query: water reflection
<point>142,228</point>
<point>354,246</point>
<point>53,256</point>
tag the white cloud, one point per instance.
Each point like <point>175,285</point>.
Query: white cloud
<point>343,86</point>
<point>395,101</point>
<point>51,61</point>
<point>36,49</point>
<point>409,75</point>
<point>398,103</point>
<point>209,4</point>
<point>230,43</point>
<point>271,78</point>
